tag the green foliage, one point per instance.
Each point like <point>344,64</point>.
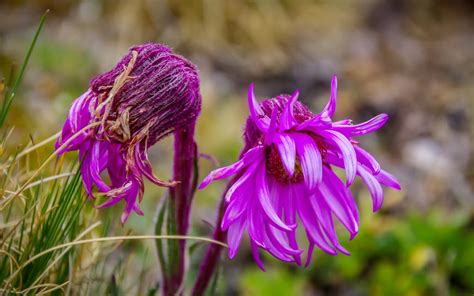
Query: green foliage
<point>274,282</point>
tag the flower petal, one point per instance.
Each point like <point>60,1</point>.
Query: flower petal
<point>310,159</point>
<point>387,179</point>
<point>97,162</point>
<point>324,215</point>
<point>263,195</point>
<point>337,196</point>
<point>144,166</point>
<point>290,217</point>
<point>235,209</point>
<point>287,120</point>
<point>330,108</point>
<point>256,112</point>
<point>256,256</point>
<point>279,240</point>
<point>224,172</point>
<point>309,220</point>
<point>373,185</point>
<point>287,148</point>
<point>270,135</point>
<point>363,128</point>
<point>347,150</point>
<point>249,174</point>
<point>317,122</point>
<point>367,159</point>
<point>234,236</point>
<point>256,225</point>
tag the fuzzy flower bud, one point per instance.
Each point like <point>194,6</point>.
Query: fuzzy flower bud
<point>149,94</point>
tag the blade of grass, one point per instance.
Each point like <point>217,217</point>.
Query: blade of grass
<point>10,95</point>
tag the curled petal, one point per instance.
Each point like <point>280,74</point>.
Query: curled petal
<point>248,175</point>
<point>224,172</point>
<point>236,207</point>
<point>339,199</point>
<point>373,185</point>
<point>324,215</point>
<point>347,150</point>
<point>275,249</point>
<point>97,162</point>
<point>144,166</point>
<point>270,136</point>
<point>256,256</point>
<point>387,179</point>
<point>290,218</point>
<point>79,116</point>
<point>311,161</point>
<point>308,218</point>
<point>317,122</point>
<point>360,129</point>
<point>256,226</point>
<point>367,159</point>
<point>330,108</point>
<point>256,112</point>
<point>287,149</point>
<point>279,240</point>
<point>234,235</point>
<point>263,194</point>
<point>287,120</point>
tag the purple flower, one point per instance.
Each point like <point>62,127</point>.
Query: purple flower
<point>286,171</point>
<point>149,94</point>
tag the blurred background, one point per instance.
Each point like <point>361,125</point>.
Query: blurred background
<point>412,59</point>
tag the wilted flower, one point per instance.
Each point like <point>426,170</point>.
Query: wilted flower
<point>149,94</point>
<point>286,171</point>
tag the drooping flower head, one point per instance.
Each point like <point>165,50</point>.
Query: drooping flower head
<point>286,171</point>
<point>149,94</point>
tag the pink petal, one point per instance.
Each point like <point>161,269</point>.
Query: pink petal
<point>250,156</point>
<point>256,225</point>
<point>309,220</point>
<point>256,112</point>
<point>347,150</point>
<point>387,179</point>
<point>325,218</point>
<point>310,158</point>
<point>360,129</point>
<point>263,194</point>
<point>287,120</point>
<point>256,256</point>
<point>367,159</point>
<point>270,136</point>
<point>373,185</point>
<point>98,155</point>
<point>338,198</point>
<point>290,219</point>
<point>287,148</point>
<point>234,236</point>
<point>235,209</point>
<point>330,108</point>
<point>249,174</point>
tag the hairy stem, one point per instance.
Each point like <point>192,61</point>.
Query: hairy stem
<point>213,253</point>
<point>181,197</point>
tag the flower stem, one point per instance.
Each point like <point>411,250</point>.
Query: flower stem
<point>211,260</point>
<point>181,195</point>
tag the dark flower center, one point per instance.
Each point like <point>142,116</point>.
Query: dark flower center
<point>276,168</point>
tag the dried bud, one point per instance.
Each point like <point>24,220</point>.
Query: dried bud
<point>149,94</point>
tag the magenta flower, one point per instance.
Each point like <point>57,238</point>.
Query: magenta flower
<point>286,171</point>
<point>149,94</point>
